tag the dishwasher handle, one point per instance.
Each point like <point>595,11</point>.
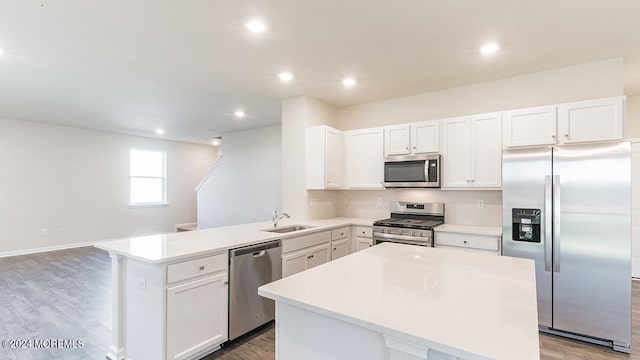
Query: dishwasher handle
<point>256,250</point>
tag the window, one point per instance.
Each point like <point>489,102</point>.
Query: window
<point>148,177</point>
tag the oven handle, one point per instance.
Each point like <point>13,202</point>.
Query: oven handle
<point>402,237</point>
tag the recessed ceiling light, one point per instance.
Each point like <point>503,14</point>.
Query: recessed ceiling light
<point>489,49</point>
<point>239,114</point>
<point>159,131</point>
<point>285,76</point>
<point>349,82</point>
<point>256,26</point>
<point>216,141</point>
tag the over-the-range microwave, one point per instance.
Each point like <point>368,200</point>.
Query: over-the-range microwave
<point>412,171</point>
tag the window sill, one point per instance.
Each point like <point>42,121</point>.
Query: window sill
<point>154,205</point>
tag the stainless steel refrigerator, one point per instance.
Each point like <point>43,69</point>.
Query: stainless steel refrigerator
<point>569,209</point>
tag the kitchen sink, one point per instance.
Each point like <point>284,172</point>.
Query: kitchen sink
<point>288,229</point>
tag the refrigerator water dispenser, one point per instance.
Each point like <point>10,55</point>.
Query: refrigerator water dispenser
<point>526,224</point>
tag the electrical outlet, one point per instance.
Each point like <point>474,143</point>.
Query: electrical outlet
<point>480,204</point>
<point>379,201</point>
<point>142,283</point>
<point>63,230</point>
<point>44,232</point>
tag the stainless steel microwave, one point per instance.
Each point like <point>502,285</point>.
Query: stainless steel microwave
<point>412,171</point>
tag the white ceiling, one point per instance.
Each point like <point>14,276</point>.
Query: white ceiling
<point>130,66</point>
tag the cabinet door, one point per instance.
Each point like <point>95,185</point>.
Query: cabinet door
<point>486,150</point>
<point>333,160</point>
<point>196,316</point>
<point>596,120</point>
<point>318,256</point>
<point>425,137</point>
<point>338,249</point>
<point>364,243</point>
<point>456,153</point>
<point>366,160</point>
<point>526,127</point>
<point>396,140</point>
<point>294,263</point>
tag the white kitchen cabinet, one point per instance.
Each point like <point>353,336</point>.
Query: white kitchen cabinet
<point>305,259</point>
<point>363,160</point>
<point>465,241</point>
<point>397,140</point>
<point>594,120</point>
<point>340,239</point>
<point>425,137</point>
<point>363,237</point>
<point>323,157</point>
<point>196,316</point>
<point>528,127</point>
<point>416,138</point>
<point>177,310</point>
<point>472,152</point>
<point>577,122</point>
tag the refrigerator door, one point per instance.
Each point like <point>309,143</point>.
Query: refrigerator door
<point>592,238</point>
<point>526,184</point>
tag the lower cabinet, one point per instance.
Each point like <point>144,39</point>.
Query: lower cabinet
<point>468,242</point>
<point>304,259</point>
<point>363,237</point>
<point>338,249</point>
<point>176,311</point>
<point>196,316</point>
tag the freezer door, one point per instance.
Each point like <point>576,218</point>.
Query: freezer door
<point>526,184</point>
<point>592,234</point>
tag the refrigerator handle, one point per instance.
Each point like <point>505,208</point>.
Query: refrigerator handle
<point>556,223</point>
<point>548,201</point>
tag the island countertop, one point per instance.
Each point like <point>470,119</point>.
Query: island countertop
<point>473,306</point>
<point>162,248</point>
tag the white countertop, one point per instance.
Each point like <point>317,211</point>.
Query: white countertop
<point>180,245</point>
<point>470,229</point>
<point>474,306</point>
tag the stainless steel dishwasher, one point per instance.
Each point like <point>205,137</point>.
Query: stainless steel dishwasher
<point>249,268</point>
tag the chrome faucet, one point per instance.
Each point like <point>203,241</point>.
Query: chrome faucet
<point>275,218</point>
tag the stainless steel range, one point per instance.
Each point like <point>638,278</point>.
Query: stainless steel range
<point>410,223</point>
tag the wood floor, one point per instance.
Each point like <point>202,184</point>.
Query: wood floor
<point>67,295</point>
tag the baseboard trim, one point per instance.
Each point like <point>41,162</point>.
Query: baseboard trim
<point>45,249</point>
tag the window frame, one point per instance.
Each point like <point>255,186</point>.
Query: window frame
<point>164,201</point>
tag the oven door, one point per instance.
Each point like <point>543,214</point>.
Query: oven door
<point>402,239</point>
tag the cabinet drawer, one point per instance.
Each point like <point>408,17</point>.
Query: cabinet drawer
<point>197,267</point>
<point>364,231</point>
<point>339,233</point>
<point>469,241</point>
<point>305,241</point>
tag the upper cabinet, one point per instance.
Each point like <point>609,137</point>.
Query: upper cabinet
<point>363,161</point>
<point>579,122</point>
<point>416,138</point>
<point>471,153</point>
<point>527,127</point>
<point>595,120</point>
<point>323,158</point>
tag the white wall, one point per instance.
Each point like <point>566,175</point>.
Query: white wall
<point>55,178</point>
<point>298,114</point>
<point>581,82</point>
<point>245,187</point>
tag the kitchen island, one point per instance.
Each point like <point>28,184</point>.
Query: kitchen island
<point>408,302</point>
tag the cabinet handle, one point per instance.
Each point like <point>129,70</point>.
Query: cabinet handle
<point>201,267</point>
<point>553,136</point>
<point>225,283</point>
<point>334,249</point>
<point>406,148</point>
<point>566,136</point>
<point>465,241</point>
